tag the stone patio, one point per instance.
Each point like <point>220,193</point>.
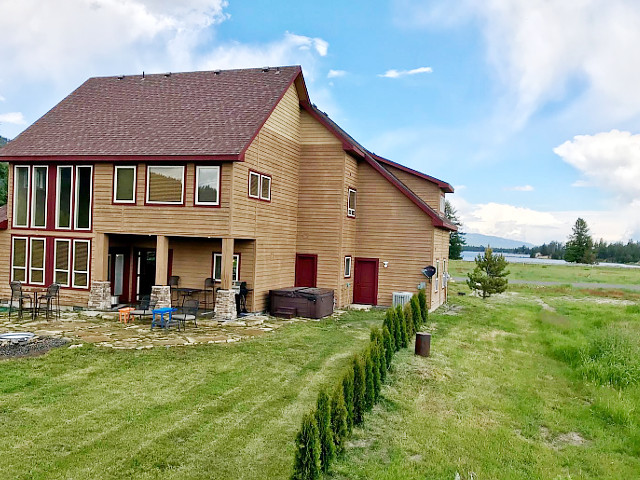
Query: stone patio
<point>103,329</point>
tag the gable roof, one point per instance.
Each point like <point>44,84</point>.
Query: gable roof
<point>214,115</point>
<point>354,148</point>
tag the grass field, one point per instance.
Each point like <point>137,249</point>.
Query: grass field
<point>539,383</point>
<point>559,273</point>
<point>536,384</point>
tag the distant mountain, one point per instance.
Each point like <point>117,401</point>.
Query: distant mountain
<point>479,240</point>
<point>3,140</point>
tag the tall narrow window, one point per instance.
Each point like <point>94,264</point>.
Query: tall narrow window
<point>347,266</point>
<point>351,203</point>
<point>39,197</point>
<point>165,185</point>
<point>36,261</point>
<point>254,185</point>
<point>63,197</point>
<point>265,187</point>
<point>21,197</point>
<point>19,259</point>
<point>217,267</point>
<point>124,184</point>
<point>61,262</point>
<point>81,263</point>
<point>83,197</point>
<point>207,185</point>
<point>437,273</point>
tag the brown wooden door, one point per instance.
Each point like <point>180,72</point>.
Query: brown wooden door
<point>306,270</point>
<point>365,281</point>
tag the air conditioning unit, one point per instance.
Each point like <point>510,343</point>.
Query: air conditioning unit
<point>400,298</point>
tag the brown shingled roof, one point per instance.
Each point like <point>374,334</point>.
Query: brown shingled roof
<point>3,217</point>
<point>198,113</point>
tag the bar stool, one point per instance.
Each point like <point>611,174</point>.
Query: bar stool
<point>209,289</point>
<point>173,282</point>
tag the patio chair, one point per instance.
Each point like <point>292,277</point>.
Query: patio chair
<point>209,293</point>
<point>19,296</point>
<point>49,299</point>
<point>188,311</point>
<point>244,291</point>
<point>144,308</point>
<point>173,282</point>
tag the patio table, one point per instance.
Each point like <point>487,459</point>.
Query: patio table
<point>187,292</point>
<point>161,312</point>
<point>34,291</point>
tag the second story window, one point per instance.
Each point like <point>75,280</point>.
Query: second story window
<point>39,197</point>
<point>259,186</point>
<point>124,184</point>
<point>63,197</point>
<point>351,203</point>
<point>165,185</point>
<point>207,185</point>
<point>21,187</point>
<point>84,178</point>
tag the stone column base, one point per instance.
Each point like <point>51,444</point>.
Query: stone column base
<point>161,295</point>
<point>100,296</point>
<point>225,308</point>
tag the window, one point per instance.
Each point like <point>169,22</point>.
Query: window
<point>36,262</point>
<point>63,197</point>
<point>445,274</point>
<point>347,266</point>
<point>61,262</point>
<point>207,185</point>
<point>81,263</point>
<point>124,184</point>
<point>351,203</point>
<point>217,267</point>
<point>441,203</point>
<point>259,186</point>
<point>84,176</point>
<point>21,196</point>
<point>39,197</point>
<point>19,259</point>
<point>437,274</point>
<point>165,185</point>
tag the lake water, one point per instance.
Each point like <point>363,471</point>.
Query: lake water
<point>516,258</point>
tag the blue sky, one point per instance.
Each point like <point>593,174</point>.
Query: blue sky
<point>530,108</point>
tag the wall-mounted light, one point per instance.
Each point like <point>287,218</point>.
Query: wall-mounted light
<point>385,264</point>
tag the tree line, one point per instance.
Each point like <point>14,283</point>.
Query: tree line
<point>4,168</point>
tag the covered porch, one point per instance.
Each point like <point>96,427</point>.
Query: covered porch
<point>170,269</point>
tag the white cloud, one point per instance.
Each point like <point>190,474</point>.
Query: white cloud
<point>581,184</point>
<point>520,188</point>
<point>402,73</point>
<point>336,73</point>
<point>609,160</point>
<point>2,99</point>
<point>15,118</point>
<point>543,50</point>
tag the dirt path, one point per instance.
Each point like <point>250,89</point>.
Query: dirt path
<point>575,285</point>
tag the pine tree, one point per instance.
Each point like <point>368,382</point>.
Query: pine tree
<point>375,366</point>
<point>369,388</point>
<point>416,313</point>
<point>347,390</point>
<point>579,248</point>
<point>325,432</point>
<point>422,299</point>
<point>389,346</point>
<point>456,239</point>
<point>306,465</point>
<point>489,275</point>
<point>399,322</point>
<point>390,323</point>
<point>404,328</point>
<point>382,355</point>
<point>339,419</point>
<point>408,316</point>
<point>359,387</point>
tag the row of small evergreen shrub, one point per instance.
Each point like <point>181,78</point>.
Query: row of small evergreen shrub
<point>325,430</point>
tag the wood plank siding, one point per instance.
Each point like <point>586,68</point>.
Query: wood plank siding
<point>393,229</point>
<point>426,190</point>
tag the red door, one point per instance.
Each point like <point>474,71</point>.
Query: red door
<point>306,270</point>
<point>365,281</point>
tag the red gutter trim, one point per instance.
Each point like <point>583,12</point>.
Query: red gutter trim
<point>120,158</point>
<point>443,185</point>
<point>4,219</point>
<point>264,120</point>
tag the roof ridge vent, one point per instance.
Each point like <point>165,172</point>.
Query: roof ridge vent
<point>217,72</point>
<point>120,77</point>
<point>265,69</point>
<point>167,75</point>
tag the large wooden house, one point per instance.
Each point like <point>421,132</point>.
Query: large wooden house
<point>229,174</point>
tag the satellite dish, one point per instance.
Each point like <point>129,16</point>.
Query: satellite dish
<point>429,271</point>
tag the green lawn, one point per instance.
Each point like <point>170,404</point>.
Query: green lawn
<point>536,384</point>
<point>559,273</point>
<point>219,411</point>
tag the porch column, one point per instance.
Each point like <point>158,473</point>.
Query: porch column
<point>225,308</point>
<point>161,292</point>
<point>162,259</point>
<point>100,293</point>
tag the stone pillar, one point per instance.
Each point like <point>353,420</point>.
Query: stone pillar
<point>225,308</point>
<point>161,295</point>
<point>100,295</point>
<point>162,260</point>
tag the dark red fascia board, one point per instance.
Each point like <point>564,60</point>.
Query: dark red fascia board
<point>443,185</point>
<point>4,224</point>
<point>301,88</point>
<point>120,158</point>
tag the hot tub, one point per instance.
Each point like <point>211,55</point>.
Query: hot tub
<point>301,302</point>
